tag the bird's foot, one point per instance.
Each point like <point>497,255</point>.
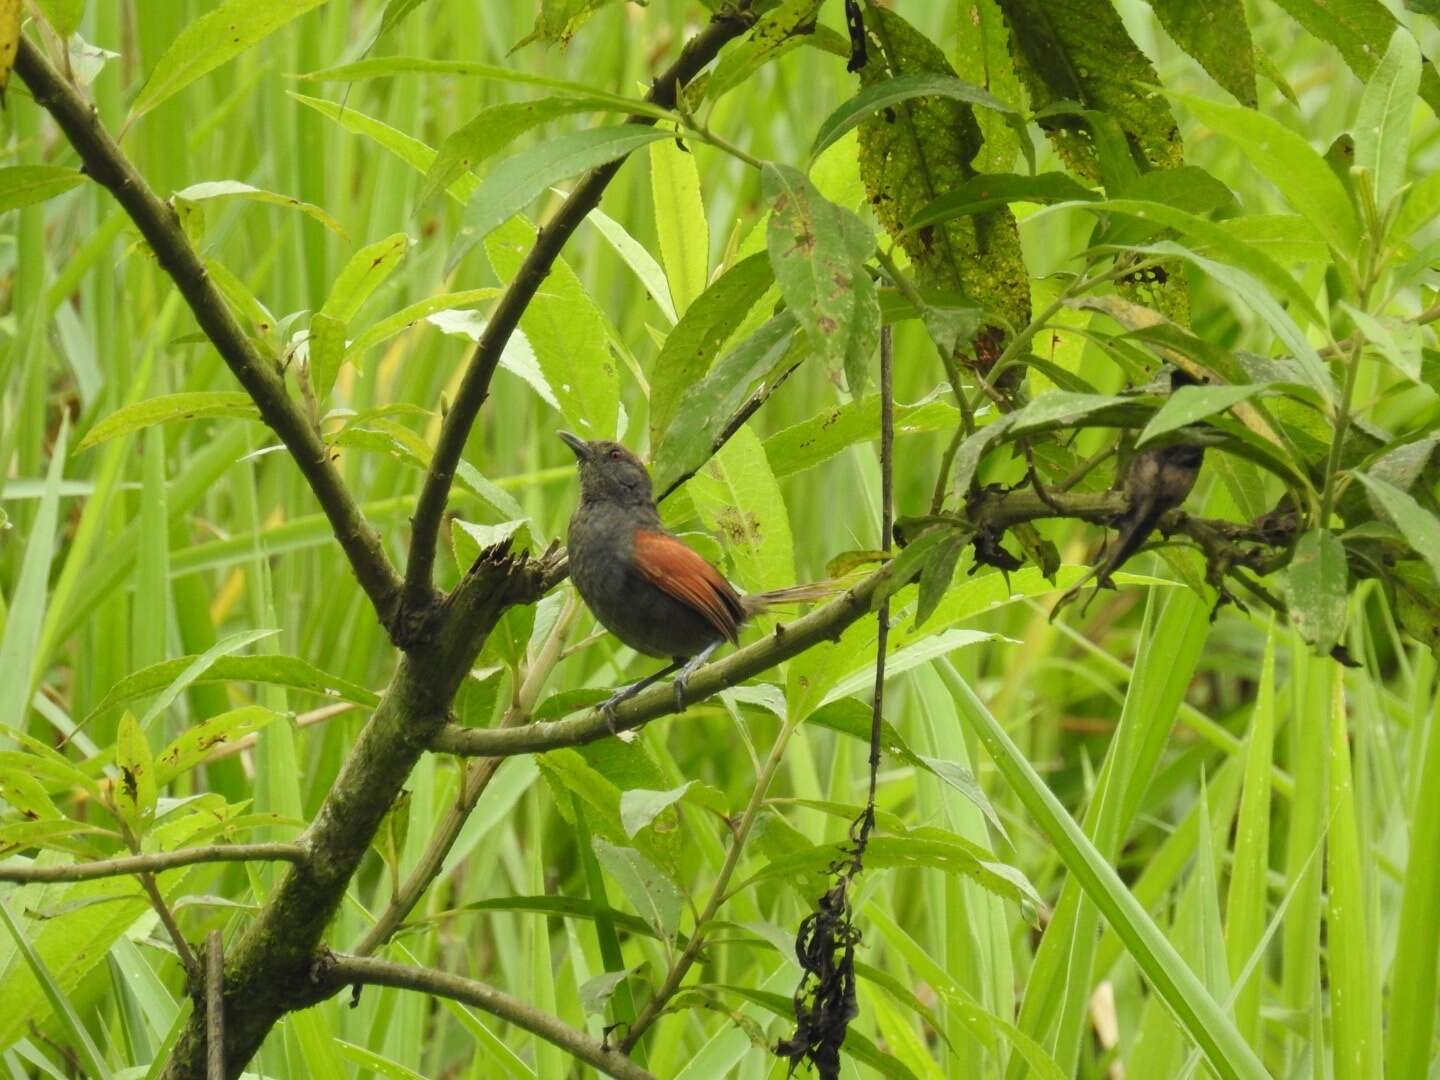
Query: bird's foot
<point>680,684</point>
<point>607,710</point>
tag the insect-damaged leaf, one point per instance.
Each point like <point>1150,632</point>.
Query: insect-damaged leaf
<point>913,152</point>
<point>818,251</point>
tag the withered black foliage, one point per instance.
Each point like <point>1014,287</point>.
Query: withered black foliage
<point>825,947</point>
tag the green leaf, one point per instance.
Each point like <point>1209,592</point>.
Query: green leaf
<point>515,182</point>
<point>703,329</point>
<point>1415,523</point>
<point>395,13</point>
<point>1288,162</point>
<point>63,15</point>
<point>709,404</point>
<point>193,671</point>
<point>24,185</point>
<point>326,350</point>
<point>135,792</point>
<point>986,192</point>
<point>822,436</point>
<point>1080,54</point>
<point>883,95</point>
<point>938,572</point>
<point>363,273</point>
<point>90,1057</point>
<point>1191,403</point>
<point>559,19</point>
<point>409,315</point>
<point>1398,341</point>
<point>213,39</point>
<point>596,992</point>
<point>649,891</point>
<point>492,129</point>
<point>196,743</point>
<point>739,501</point>
<point>25,616</point>
<point>1217,35</point>
<point>568,335</point>
<point>1318,589</point>
<point>270,669</point>
<point>787,25</point>
<point>912,154</point>
<point>925,847</point>
<point>1361,30</point>
<point>637,258</point>
<point>227,190</point>
<point>169,408</point>
<point>1382,124</point>
<point>680,222</point>
<point>818,251</point>
<point>1420,208</point>
<point>639,807</point>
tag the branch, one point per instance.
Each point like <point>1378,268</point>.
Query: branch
<point>339,970</point>
<point>155,863</point>
<point>108,166</point>
<point>418,599</point>
<point>824,623</point>
<point>214,1006</point>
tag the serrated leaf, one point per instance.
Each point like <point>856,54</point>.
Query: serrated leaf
<point>1191,403</point>
<point>709,404</point>
<point>1382,124</point>
<point>213,39</point>
<point>24,185</point>
<point>492,129</point>
<point>701,332</point>
<point>568,335</point>
<point>1289,162</point>
<point>916,151</point>
<point>991,190</point>
<point>513,183</point>
<point>1318,588</point>
<point>818,252</point>
<point>1217,35</point>
<point>228,190</point>
<point>196,743</point>
<point>890,92</point>
<point>649,891</point>
<point>271,669</point>
<point>169,408</point>
<point>362,274</point>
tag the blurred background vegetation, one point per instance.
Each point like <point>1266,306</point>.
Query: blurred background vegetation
<point>204,535</point>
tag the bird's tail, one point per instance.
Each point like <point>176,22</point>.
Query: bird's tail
<point>795,594</point>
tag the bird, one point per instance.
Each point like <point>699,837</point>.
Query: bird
<point>643,583</point>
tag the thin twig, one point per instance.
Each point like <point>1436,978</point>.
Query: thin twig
<point>154,863</point>
<point>887,539</point>
<point>107,165</point>
<point>340,970</point>
<point>172,927</point>
<point>215,1006</point>
<point>474,386</point>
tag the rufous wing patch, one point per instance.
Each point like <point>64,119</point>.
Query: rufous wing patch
<point>668,564</point>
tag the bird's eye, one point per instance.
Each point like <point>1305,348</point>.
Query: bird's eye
<point>615,455</point>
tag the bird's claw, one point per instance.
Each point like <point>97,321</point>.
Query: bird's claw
<point>612,719</point>
<point>680,684</point>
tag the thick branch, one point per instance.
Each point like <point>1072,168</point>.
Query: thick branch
<point>268,968</point>
<point>214,1006</point>
<point>340,971</point>
<point>826,622</point>
<point>156,219</point>
<point>475,385</point>
<point>154,863</point>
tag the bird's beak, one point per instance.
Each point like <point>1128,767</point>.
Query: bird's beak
<point>577,444</point>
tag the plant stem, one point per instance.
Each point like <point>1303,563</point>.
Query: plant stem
<point>154,863</point>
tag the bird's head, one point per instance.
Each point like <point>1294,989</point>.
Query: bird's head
<point>609,471</point>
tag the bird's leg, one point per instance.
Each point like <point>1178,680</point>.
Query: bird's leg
<point>690,668</point>
<point>625,693</point>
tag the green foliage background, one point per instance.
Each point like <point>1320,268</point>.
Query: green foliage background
<point>1271,813</point>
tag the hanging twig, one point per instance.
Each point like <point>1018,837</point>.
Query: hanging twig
<point>825,946</point>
